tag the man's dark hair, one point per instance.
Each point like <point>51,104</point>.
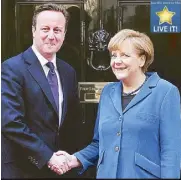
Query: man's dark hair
<point>50,7</point>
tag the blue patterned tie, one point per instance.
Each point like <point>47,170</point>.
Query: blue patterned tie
<point>53,81</point>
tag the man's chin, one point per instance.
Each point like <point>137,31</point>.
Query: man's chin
<point>48,54</point>
<point>50,51</point>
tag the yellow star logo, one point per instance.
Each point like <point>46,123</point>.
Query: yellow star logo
<point>165,16</point>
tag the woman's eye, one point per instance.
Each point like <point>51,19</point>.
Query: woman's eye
<point>125,55</point>
<point>113,56</point>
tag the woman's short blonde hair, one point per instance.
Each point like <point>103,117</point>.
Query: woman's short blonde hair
<point>140,41</point>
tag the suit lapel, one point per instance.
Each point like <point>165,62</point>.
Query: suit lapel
<point>145,91</point>
<point>64,83</point>
<point>115,95</point>
<point>38,74</point>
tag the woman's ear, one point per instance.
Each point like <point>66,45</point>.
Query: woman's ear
<point>142,60</point>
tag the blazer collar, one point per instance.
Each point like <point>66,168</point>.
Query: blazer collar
<point>64,78</point>
<point>115,95</point>
<point>38,74</point>
<point>145,91</point>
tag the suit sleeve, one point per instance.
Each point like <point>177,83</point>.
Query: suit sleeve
<point>170,134</point>
<point>90,154</point>
<point>13,123</point>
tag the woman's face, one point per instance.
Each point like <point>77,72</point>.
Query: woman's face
<point>126,63</point>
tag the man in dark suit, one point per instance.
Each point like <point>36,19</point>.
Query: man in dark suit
<point>40,105</point>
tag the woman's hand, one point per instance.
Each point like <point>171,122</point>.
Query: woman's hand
<point>72,162</point>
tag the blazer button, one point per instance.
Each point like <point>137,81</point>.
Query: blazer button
<point>29,157</point>
<point>118,133</point>
<point>120,118</point>
<point>58,133</point>
<point>116,148</point>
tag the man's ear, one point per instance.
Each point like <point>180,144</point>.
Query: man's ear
<point>33,30</point>
<point>64,34</point>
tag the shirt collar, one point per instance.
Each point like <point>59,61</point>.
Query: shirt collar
<point>42,60</point>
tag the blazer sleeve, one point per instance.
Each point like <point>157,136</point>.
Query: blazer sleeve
<point>90,154</point>
<point>170,134</point>
<point>13,123</point>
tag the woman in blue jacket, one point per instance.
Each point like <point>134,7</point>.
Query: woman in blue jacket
<point>138,127</point>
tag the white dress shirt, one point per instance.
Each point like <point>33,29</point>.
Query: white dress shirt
<point>46,69</point>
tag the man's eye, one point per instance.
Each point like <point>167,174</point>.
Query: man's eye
<point>57,30</point>
<point>45,29</point>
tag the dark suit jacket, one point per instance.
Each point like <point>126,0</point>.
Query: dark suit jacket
<point>30,132</point>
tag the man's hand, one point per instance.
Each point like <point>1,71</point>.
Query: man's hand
<point>72,160</point>
<point>59,164</point>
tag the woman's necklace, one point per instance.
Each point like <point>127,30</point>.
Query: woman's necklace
<point>131,93</point>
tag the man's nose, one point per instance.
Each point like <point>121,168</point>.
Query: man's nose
<point>51,34</point>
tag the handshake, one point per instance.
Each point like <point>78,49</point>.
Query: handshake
<point>61,162</point>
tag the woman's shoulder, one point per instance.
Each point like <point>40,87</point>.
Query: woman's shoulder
<point>167,88</point>
<point>154,79</point>
<point>165,84</point>
<point>111,85</point>
<point>161,85</point>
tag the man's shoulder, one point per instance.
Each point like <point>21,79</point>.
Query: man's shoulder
<point>65,64</point>
<point>13,61</point>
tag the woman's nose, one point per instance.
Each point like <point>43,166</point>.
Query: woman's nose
<point>118,60</point>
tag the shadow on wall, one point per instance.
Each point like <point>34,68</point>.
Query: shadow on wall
<point>70,51</point>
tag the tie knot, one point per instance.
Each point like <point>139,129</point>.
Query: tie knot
<point>51,66</point>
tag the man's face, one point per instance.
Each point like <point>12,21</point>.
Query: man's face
<point>48,36</point>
